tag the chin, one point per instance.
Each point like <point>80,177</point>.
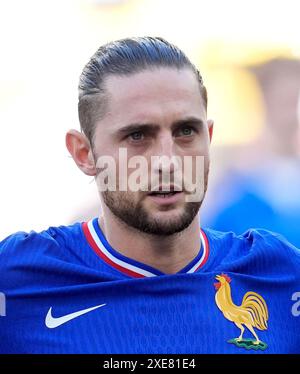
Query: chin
<point>167,213</point>
<point>166,226</point>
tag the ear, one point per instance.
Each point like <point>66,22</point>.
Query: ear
<point>81,151</point>
<point>210,124</point>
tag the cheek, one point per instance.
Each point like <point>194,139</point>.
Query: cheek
<point>199,146</point>
<point>195,170</point>
<point>200,151</point>
<point>204,145</point>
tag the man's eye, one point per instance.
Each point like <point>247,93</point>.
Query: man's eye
<point>136,136</point>
<point>187,131</point>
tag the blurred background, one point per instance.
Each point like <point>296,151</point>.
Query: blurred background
<point>248,54</point>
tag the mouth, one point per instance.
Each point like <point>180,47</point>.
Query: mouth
<point>164,195</point>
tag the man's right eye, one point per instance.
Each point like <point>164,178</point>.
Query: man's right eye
<point>136,136</point>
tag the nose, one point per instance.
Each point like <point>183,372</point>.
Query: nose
<point>166,158</point>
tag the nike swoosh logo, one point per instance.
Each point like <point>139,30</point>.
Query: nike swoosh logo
<point>52,322</point>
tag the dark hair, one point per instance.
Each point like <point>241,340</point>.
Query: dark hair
<point>124,57</point>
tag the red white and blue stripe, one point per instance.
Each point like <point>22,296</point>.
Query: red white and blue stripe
<point>128,266</point>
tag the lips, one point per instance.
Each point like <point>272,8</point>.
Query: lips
<point>163,195</point>
<point>165,190</point>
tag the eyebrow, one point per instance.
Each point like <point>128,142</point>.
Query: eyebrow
<point>136,127</point>
<point>189,121</point>
<point>153,127</point>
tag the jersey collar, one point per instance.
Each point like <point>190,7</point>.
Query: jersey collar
<point>128,266</point>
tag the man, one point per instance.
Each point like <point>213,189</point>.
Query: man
<point>143,277</point>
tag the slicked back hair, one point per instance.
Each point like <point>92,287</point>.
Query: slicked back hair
<point>124,57</point>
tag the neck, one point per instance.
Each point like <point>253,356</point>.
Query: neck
<point>169,254</point>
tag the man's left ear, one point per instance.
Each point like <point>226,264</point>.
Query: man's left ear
<point>210,124</point>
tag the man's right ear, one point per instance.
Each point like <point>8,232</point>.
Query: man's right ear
<point>81,151</point>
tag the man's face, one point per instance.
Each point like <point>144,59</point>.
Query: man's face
<point>157,112</point>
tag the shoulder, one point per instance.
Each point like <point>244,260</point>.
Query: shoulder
<point>27,247</point>
<point>21,240</point>
<point>271,243</point>
<point>253,250</point>
<point>273,249</point>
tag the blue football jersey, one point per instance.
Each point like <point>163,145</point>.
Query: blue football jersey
<point>66,290</point>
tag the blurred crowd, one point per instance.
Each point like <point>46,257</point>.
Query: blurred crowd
<point>259,185</point>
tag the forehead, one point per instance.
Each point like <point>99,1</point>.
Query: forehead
<point>159,95</point>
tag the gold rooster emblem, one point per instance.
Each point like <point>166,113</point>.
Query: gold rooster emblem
<point>252,313</point>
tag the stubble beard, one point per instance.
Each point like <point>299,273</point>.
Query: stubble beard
<point>136,216</point>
